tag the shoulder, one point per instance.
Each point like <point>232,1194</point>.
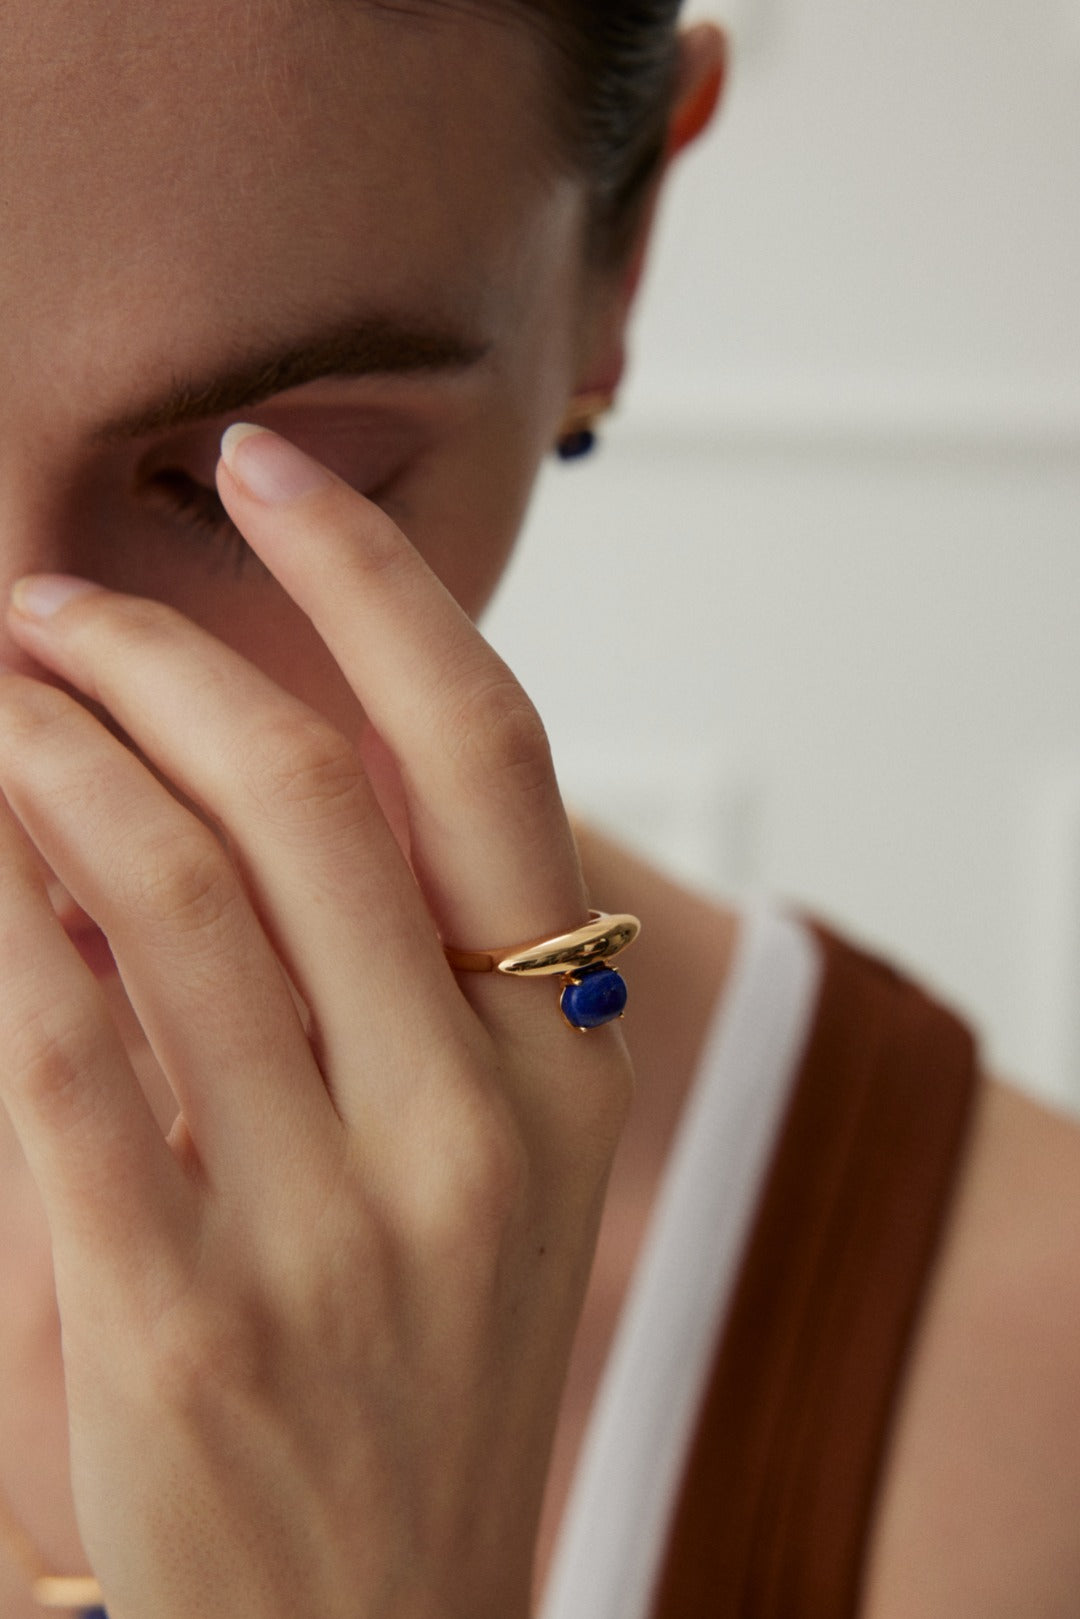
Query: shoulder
<point>979,1506</point>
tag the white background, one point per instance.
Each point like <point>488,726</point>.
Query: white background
<point>810,621</point>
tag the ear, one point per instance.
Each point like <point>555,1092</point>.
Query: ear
<point>699,86</point>
<point>702,74</point>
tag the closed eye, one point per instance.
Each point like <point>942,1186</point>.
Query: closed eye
<point>200,508</point>
<point>368,449</point>
<point>186,495</point>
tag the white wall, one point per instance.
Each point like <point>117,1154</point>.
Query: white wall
<point>815,608</point>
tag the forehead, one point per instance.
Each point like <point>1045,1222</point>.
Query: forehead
<point>189,170</point>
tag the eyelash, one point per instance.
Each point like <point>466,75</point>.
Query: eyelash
<point>201,509</point>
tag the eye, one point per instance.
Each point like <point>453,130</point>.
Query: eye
<point>201,509</point>
<point>176,479</point>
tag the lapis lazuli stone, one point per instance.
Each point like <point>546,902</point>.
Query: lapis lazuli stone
<point>574,445</point>
<point>597,997</point>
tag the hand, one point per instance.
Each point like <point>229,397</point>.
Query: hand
<point>313,1340</point>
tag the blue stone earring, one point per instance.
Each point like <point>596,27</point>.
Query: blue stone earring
<point>577,435</point>
<point>573,445</point>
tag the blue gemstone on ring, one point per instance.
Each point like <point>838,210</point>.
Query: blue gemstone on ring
<point>594,997</point>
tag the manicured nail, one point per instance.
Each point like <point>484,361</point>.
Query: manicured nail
<point>269,467</point>
<point>40,595</point>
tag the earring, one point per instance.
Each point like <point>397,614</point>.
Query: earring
<point>577,435</point>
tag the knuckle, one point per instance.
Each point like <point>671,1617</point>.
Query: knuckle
<point>501,736</point>
<point>303,766</point>
<point>49,1051</point>
<point>200,1354</point>
<point>181,879</point>
<point>476,1184</point>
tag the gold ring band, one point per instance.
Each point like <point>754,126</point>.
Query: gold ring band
<point>602,937</point>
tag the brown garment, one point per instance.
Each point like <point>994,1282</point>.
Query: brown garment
<point>775,1506</point>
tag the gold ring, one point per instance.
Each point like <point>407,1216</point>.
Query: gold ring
<point>601,937</point>
<point>592,992</point>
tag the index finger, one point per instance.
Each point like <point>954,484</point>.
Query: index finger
<point>490,840</point>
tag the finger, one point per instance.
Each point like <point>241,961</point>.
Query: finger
<point>199,971</point>
<point>105,1172</point>
<point>328,879</point>
<point>490,838</point>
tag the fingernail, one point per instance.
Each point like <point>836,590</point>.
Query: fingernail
<point>269,467</point>
<point>40,595</point>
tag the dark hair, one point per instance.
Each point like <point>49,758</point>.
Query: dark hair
<point>616,61</point>
<point>614,75</point>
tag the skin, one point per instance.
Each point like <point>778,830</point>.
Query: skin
<point>380,1204</point>
<point>171,1258</point>
<point>380,1170</point>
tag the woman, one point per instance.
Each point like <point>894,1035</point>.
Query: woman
<point>311,1198</point>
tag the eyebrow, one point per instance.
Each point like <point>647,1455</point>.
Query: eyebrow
<point>373,347</point>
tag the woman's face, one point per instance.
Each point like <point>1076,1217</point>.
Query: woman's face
<point>335,217</point>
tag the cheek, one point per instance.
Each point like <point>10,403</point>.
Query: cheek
<point>470,559</point>
<point>265,627</point>
<point>465,517</point>
<point>254,615</point>
<point>240,605</point>
<point>461,507</point>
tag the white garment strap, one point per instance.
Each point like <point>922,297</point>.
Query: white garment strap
<point>612,1539</point>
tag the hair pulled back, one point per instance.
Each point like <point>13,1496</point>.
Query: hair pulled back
<point>617,63</point>
<point>614,67</point>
